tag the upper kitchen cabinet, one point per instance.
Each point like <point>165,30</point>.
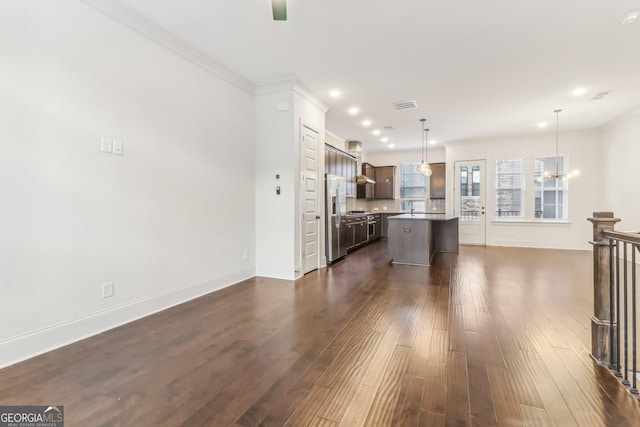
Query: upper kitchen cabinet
<point>385,182</point>
<point>339,163</point>
<point>436,181</point>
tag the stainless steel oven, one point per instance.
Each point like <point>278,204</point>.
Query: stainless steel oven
<point>373,224</point>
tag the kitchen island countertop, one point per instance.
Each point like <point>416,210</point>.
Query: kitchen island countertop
<point>425,216</point>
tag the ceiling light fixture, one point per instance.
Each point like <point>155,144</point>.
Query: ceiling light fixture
<point>366,123</point>
<point>353,111</point>
<point>391,145</point>
<point>579,91</point>
<point>543,125</point>
<point>433,142</point>
<point>335,93</point>
<point>376,132</point>
<point>629,18</point>
<point>384,139</point>
<point>423,167</point>
<point>556,175</point>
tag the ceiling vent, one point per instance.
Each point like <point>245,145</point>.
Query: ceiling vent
<point>405,105</point>
<point>601,95</point>
<point>388,128</point>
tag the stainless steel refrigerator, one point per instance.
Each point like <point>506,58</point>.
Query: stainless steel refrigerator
<point>336,211</point>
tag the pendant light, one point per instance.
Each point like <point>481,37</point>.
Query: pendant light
<point>423,167</point>
<point>557,174</point>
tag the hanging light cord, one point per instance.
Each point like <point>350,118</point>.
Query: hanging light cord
<point>557,132</point>
<point>425,133</point>
<point>423,151</point>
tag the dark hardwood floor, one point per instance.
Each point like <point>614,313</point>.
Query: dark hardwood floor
<point>489,337</point>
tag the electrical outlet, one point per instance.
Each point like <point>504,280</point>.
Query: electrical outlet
<point>107,290</point>
<point>117,147</point>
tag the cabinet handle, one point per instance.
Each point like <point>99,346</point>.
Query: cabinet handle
<point>407,230</point>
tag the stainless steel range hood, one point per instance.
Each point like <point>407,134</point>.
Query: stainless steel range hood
<point>355,149</point>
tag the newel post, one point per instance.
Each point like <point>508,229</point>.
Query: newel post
<point>601,319</point>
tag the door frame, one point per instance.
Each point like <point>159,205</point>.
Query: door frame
<point>483,189</point>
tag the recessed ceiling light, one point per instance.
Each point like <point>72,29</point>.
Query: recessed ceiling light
<point>579,91</point>
<point>366,123</point>
<point>433,142</point>
<point>385,139</point>
<point>391,145</point>
<point>335,93</point>
<point>542,125</point>
<point>376,132</point>
<point>354,110</point>
<point>629,18</point>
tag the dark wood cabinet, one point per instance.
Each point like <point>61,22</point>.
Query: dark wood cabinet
<point>339,163</point>
<point>437,180</point>
<point>385,182</point>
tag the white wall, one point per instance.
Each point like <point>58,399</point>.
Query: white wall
<point>335,141</point>
<point>621,152</point>
<point>281,110</point>
<point>275,222</point>
<point>169,220</point>
<point>583,150</point>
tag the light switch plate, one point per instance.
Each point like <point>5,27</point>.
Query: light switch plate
<point>117,147</point>
<point>106,145</point>
<point>107,290</point>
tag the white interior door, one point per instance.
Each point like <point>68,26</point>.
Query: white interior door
<point>310,213</point>
<point>470,205</point>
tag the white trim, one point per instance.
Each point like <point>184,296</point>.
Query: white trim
<point>530,221</point>
<point>34,343</point>
<point>152,31</point>
<point>334,135</point>
<point>290,85</point>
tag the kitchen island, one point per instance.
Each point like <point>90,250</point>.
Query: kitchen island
<point>414,238</point>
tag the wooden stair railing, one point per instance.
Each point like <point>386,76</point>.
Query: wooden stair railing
<point>614,321</point>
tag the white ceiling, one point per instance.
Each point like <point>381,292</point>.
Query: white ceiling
<point>477,69</point>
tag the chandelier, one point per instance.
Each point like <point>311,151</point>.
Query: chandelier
<point>423,167</point>
<point>557,174</point>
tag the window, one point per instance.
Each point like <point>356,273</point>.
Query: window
<point>470,193</point>
<point>551,194</point>
<point>413,188</point>
<point>509,189</point>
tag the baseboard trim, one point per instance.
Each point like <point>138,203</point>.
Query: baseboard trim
<point>34,343</point>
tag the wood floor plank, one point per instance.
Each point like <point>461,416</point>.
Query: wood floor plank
<point>356,412</point>
<point>457,398</point>
<point>407,411</point>
<point>386,398</point>
<point>434,393</point>
<point>504,400</point>
<point>307,411</point>
<point>534,417</point>
<point>431,419</point>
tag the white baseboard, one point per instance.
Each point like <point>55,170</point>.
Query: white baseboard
<point>26,346</point>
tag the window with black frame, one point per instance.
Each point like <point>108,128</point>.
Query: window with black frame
<point>413,188</point>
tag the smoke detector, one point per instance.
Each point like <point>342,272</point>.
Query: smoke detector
<point>629,18</point>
